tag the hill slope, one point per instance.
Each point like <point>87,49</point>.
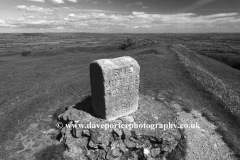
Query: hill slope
<point>37,88</point>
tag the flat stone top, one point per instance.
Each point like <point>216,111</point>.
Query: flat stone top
<point>107,64</point>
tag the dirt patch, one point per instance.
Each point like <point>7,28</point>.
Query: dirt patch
<point>202,143</point>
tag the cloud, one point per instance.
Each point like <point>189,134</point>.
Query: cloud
<point>133,22</point>
<point>139,3</point>
<point>37,1</point>
<point>195,5</point>
<point>134,4</point>
<point>74,1</point>
<point>60,27</point>
<point>33,9</point>
<point>2,22</point>
<point>57,1</point>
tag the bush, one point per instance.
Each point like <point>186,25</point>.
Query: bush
<point>26,53</point>
<point>127,44</point>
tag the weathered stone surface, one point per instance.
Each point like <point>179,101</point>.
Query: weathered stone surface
<point>129,143</point>
<point>114,85</point>
<point>155,152</point>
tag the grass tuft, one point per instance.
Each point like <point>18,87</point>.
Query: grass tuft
<point>26,53</point>
<point>186,109</point>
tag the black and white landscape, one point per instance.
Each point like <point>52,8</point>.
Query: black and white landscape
<point>179,64</point>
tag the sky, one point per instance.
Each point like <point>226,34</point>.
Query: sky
<point>120,16</point>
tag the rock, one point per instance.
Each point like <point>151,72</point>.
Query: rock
<point>116,152</point>
<point>129,143</point>
<point>77,132</point>
<point>75,148</point>
<point>133,139</point>
<point>129,118</point>
<point>102,154</point>
<point>127,155</point>
<point>143,143</point>
<point>114,86</point>
<point>146,151</point>
<point>134,155</point>
<point>86,132</point>
<point>196,114</point>
<point>140,154</point>
<point>117,133</point>
<point>101,137</point>
<point>123,147</point>
<point>105,140</point>
<point>126,132</point>
<point>116,143</point>
<point>155,152</point>
<point>93,154</point>
<point>91,144</point>
<point>168,143</point>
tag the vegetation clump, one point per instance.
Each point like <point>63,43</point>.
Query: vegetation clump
<point>128,43</point>
<point>26,53</point>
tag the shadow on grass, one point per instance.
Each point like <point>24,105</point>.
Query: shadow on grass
<point>180,151</point>
<point>85,105</point>
<point>51,152</point>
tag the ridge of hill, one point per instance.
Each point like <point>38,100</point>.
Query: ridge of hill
<point>225,90</point>
<point>222,83</point>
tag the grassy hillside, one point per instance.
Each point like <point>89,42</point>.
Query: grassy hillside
<point>35,86</point>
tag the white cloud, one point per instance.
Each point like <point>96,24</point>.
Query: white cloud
<point>2,22</point>
<point>33,8</point>
<point>21,7</point>
<point>136,21</point>
<point>60,27</point>
<point>58,1</point>
<point>37,1</point>
<point>72,15</point>
<point>74,1</point>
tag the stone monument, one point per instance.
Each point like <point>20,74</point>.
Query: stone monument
<point>115,87</point>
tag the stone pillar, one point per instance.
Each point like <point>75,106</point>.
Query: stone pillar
<point>115,87</point>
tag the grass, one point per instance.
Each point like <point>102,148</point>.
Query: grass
<point>230,60</point>
<point>47,81</point>
<point>26,53</point>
